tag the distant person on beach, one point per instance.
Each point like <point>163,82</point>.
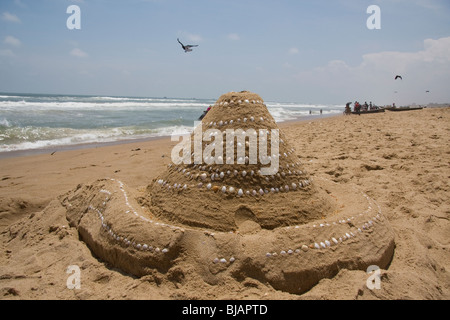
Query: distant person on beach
<point>357,107</point>
<point>347,109</point>
<point>320,111</point>
<point>204,113</point>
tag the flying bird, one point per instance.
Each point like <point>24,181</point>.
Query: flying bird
<point>398,77</point>
<point>186,48</point>
<point>427,91</point>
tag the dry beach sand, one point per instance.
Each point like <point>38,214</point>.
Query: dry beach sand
<point>399,159</point>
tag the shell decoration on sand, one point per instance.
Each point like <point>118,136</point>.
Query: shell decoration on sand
<point>289,229</point>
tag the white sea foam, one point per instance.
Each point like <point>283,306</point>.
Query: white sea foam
<point>5,123</point>
<point>38,138</point>
<point>132,105</point>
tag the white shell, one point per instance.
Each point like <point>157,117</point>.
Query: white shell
<point>240,192</point>
<point>208,186</point>
<point>224,189</point>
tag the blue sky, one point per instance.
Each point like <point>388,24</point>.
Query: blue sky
<point>300,51</point>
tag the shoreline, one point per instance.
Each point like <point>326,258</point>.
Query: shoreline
<point>96,145</point>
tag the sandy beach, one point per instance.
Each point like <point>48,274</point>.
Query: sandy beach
<point>400,159</point>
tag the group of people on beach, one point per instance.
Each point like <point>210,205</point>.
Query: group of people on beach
<point>360,107</point>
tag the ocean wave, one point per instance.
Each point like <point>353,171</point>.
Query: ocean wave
<point>15,139</point>
<point>5,123</point>
<point>11,97</point>
<point>131,105</point>
<point>40,121</point>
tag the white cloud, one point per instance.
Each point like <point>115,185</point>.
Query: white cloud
<point>233,36</point>
<point>373,78</point>
<point>190,37</point>
<point>293,51</point>
<point>78,53</point>
<point>10,40</point>
<point>6,16</point>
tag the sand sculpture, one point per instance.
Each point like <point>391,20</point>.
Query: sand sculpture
<point>221,221</point>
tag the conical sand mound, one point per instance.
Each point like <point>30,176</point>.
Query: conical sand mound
<point>230,220</point>
<point>223,196</point>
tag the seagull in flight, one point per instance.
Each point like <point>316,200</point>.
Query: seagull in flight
<point>186,48</point>
<point>398,77</point>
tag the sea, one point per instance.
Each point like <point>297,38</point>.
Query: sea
<point>49,122</point>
